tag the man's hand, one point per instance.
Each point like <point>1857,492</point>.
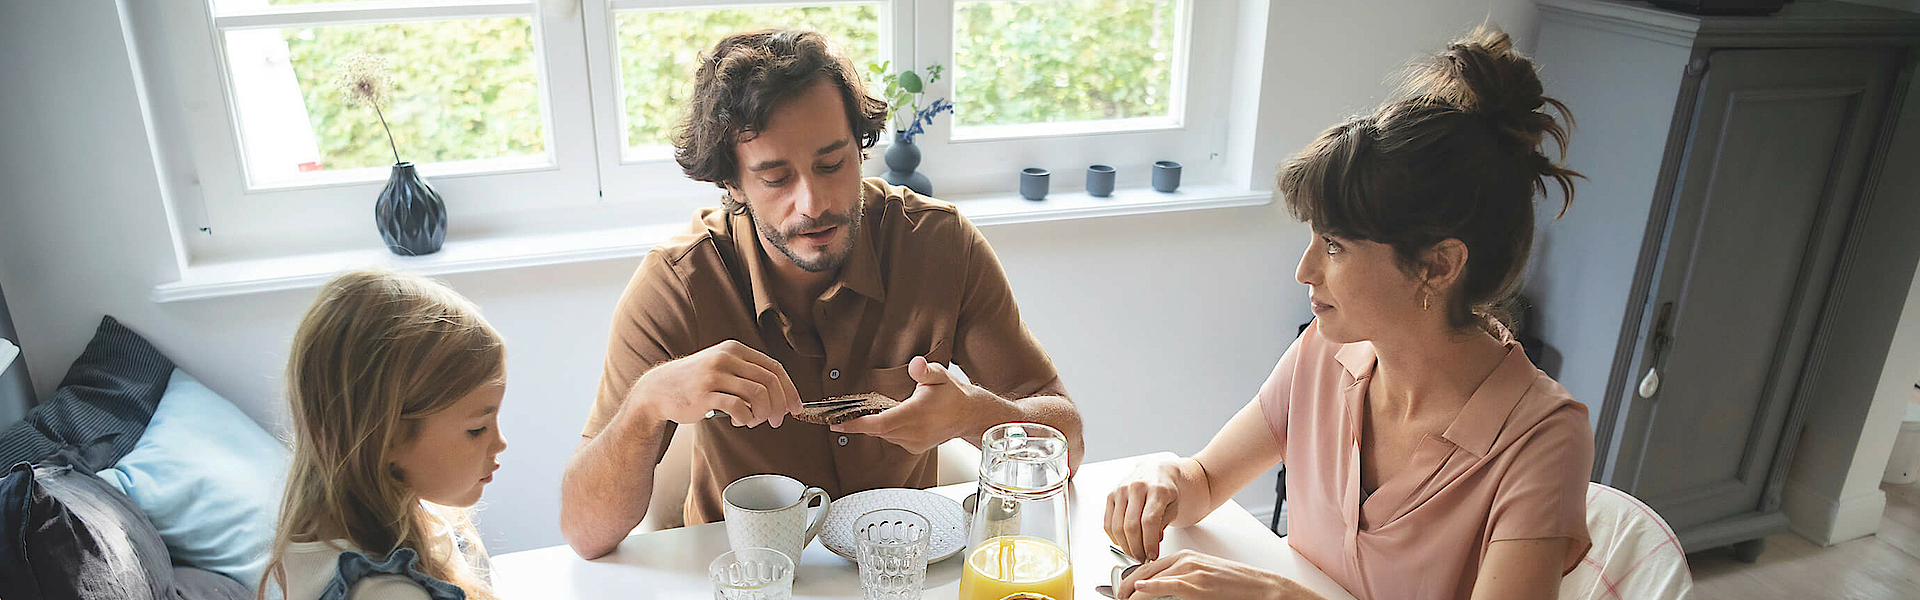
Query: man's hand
<point>729,377</point>
<point>941,408</point>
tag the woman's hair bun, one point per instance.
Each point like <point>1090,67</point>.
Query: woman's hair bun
<point>1482,74</point>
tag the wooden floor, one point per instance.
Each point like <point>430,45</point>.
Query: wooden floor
<point>1883,566</point>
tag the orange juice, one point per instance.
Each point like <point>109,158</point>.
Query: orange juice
<point>1002,566</point>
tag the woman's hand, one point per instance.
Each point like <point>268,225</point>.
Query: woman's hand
<point>1141,508</point>
<point>1191,575</point>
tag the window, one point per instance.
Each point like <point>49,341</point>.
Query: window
<point>489,99</point>
<point>481,109</point>
<point>538,116</point>
<point>658,50</point>
<point>1108,65</point>
<point>1062,84</point>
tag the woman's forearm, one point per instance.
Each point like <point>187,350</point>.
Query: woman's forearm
<point>1196,492</point>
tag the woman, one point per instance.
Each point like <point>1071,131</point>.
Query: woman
<point>1426,457</point>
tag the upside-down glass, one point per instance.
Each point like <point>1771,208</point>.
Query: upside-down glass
<point>893,553</point>
<point>752,574</point>
<point>1018,539</point>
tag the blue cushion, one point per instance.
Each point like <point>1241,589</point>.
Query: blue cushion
<point>209,478</point>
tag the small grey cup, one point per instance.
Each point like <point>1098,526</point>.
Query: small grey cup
<point>1033,183</point>
<point>1099,181</point>
<point>1166,176</point>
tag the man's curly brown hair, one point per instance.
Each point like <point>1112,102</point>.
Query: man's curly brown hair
<point>740,82</point>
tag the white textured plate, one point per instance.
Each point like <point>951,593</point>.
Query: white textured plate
<point>944,517</point>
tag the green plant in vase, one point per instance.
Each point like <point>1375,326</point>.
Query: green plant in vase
<point>902,91</point>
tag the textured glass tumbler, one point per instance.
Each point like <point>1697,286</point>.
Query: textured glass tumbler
<point>893,554</point>
<point>752,574</point>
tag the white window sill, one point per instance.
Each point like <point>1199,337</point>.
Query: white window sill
<point>233,278</point>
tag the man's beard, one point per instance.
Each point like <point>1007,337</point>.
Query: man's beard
<point>826,262</point>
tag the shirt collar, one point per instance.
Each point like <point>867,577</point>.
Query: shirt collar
<point>861,273</point>
<point>746,243</point>
<point>1479,423</point>
<point>1357,357</point>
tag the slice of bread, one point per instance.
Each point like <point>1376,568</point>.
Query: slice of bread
<point>849,408</point>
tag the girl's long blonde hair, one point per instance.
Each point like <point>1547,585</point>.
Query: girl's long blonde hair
<point>378,351</point>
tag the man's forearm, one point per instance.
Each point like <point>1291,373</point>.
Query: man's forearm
<point>608,483</point>
<point>1054,411</point>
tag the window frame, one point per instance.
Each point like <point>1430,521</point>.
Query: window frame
<point>654,184</point>
<point>237,217</point>
<point>588,182</point>
<point>969,165</point>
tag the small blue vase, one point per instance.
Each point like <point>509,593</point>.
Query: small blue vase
<point>903,156</point>
<point>411,217</point>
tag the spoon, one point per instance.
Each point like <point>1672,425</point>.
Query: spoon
<point>1120,574</point>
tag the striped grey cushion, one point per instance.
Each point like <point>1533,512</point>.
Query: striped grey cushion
<point>111,389</point>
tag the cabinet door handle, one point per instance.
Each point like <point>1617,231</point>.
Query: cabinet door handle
<point>1662,336</point>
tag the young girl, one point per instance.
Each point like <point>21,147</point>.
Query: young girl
<point>1427,459</point>
<point>395,383</point>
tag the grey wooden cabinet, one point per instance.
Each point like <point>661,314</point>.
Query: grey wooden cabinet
<point>1731,162</point>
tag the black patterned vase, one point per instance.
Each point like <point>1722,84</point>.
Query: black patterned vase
<point>412,219</point>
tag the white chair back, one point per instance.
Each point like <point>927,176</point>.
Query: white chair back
<point>1635,556</point>
<point>667,509</point>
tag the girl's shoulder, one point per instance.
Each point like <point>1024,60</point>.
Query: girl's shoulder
<point>308,566</point>
<point>389,587</point>
<point>396,577</point>
<point>335,570</point>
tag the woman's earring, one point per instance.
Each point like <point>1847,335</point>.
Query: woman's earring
<point>1423,300</point>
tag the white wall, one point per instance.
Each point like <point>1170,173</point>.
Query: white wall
<point>1833,490</point>
<point>1162,325</point>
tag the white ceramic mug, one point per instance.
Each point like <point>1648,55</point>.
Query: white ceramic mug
<point>770,511</point>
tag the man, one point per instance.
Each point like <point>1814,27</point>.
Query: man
<point>810,283</point>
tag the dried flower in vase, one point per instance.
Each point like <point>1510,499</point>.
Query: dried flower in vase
<point>364,80</point>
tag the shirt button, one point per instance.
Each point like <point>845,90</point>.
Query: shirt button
<point>843,440</point>
<point>834,374</point>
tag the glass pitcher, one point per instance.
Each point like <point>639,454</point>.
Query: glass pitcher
<point>1018,539</point>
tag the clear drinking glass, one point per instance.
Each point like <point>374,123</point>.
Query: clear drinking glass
<point>893,553</point>
<point>752,574</point>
